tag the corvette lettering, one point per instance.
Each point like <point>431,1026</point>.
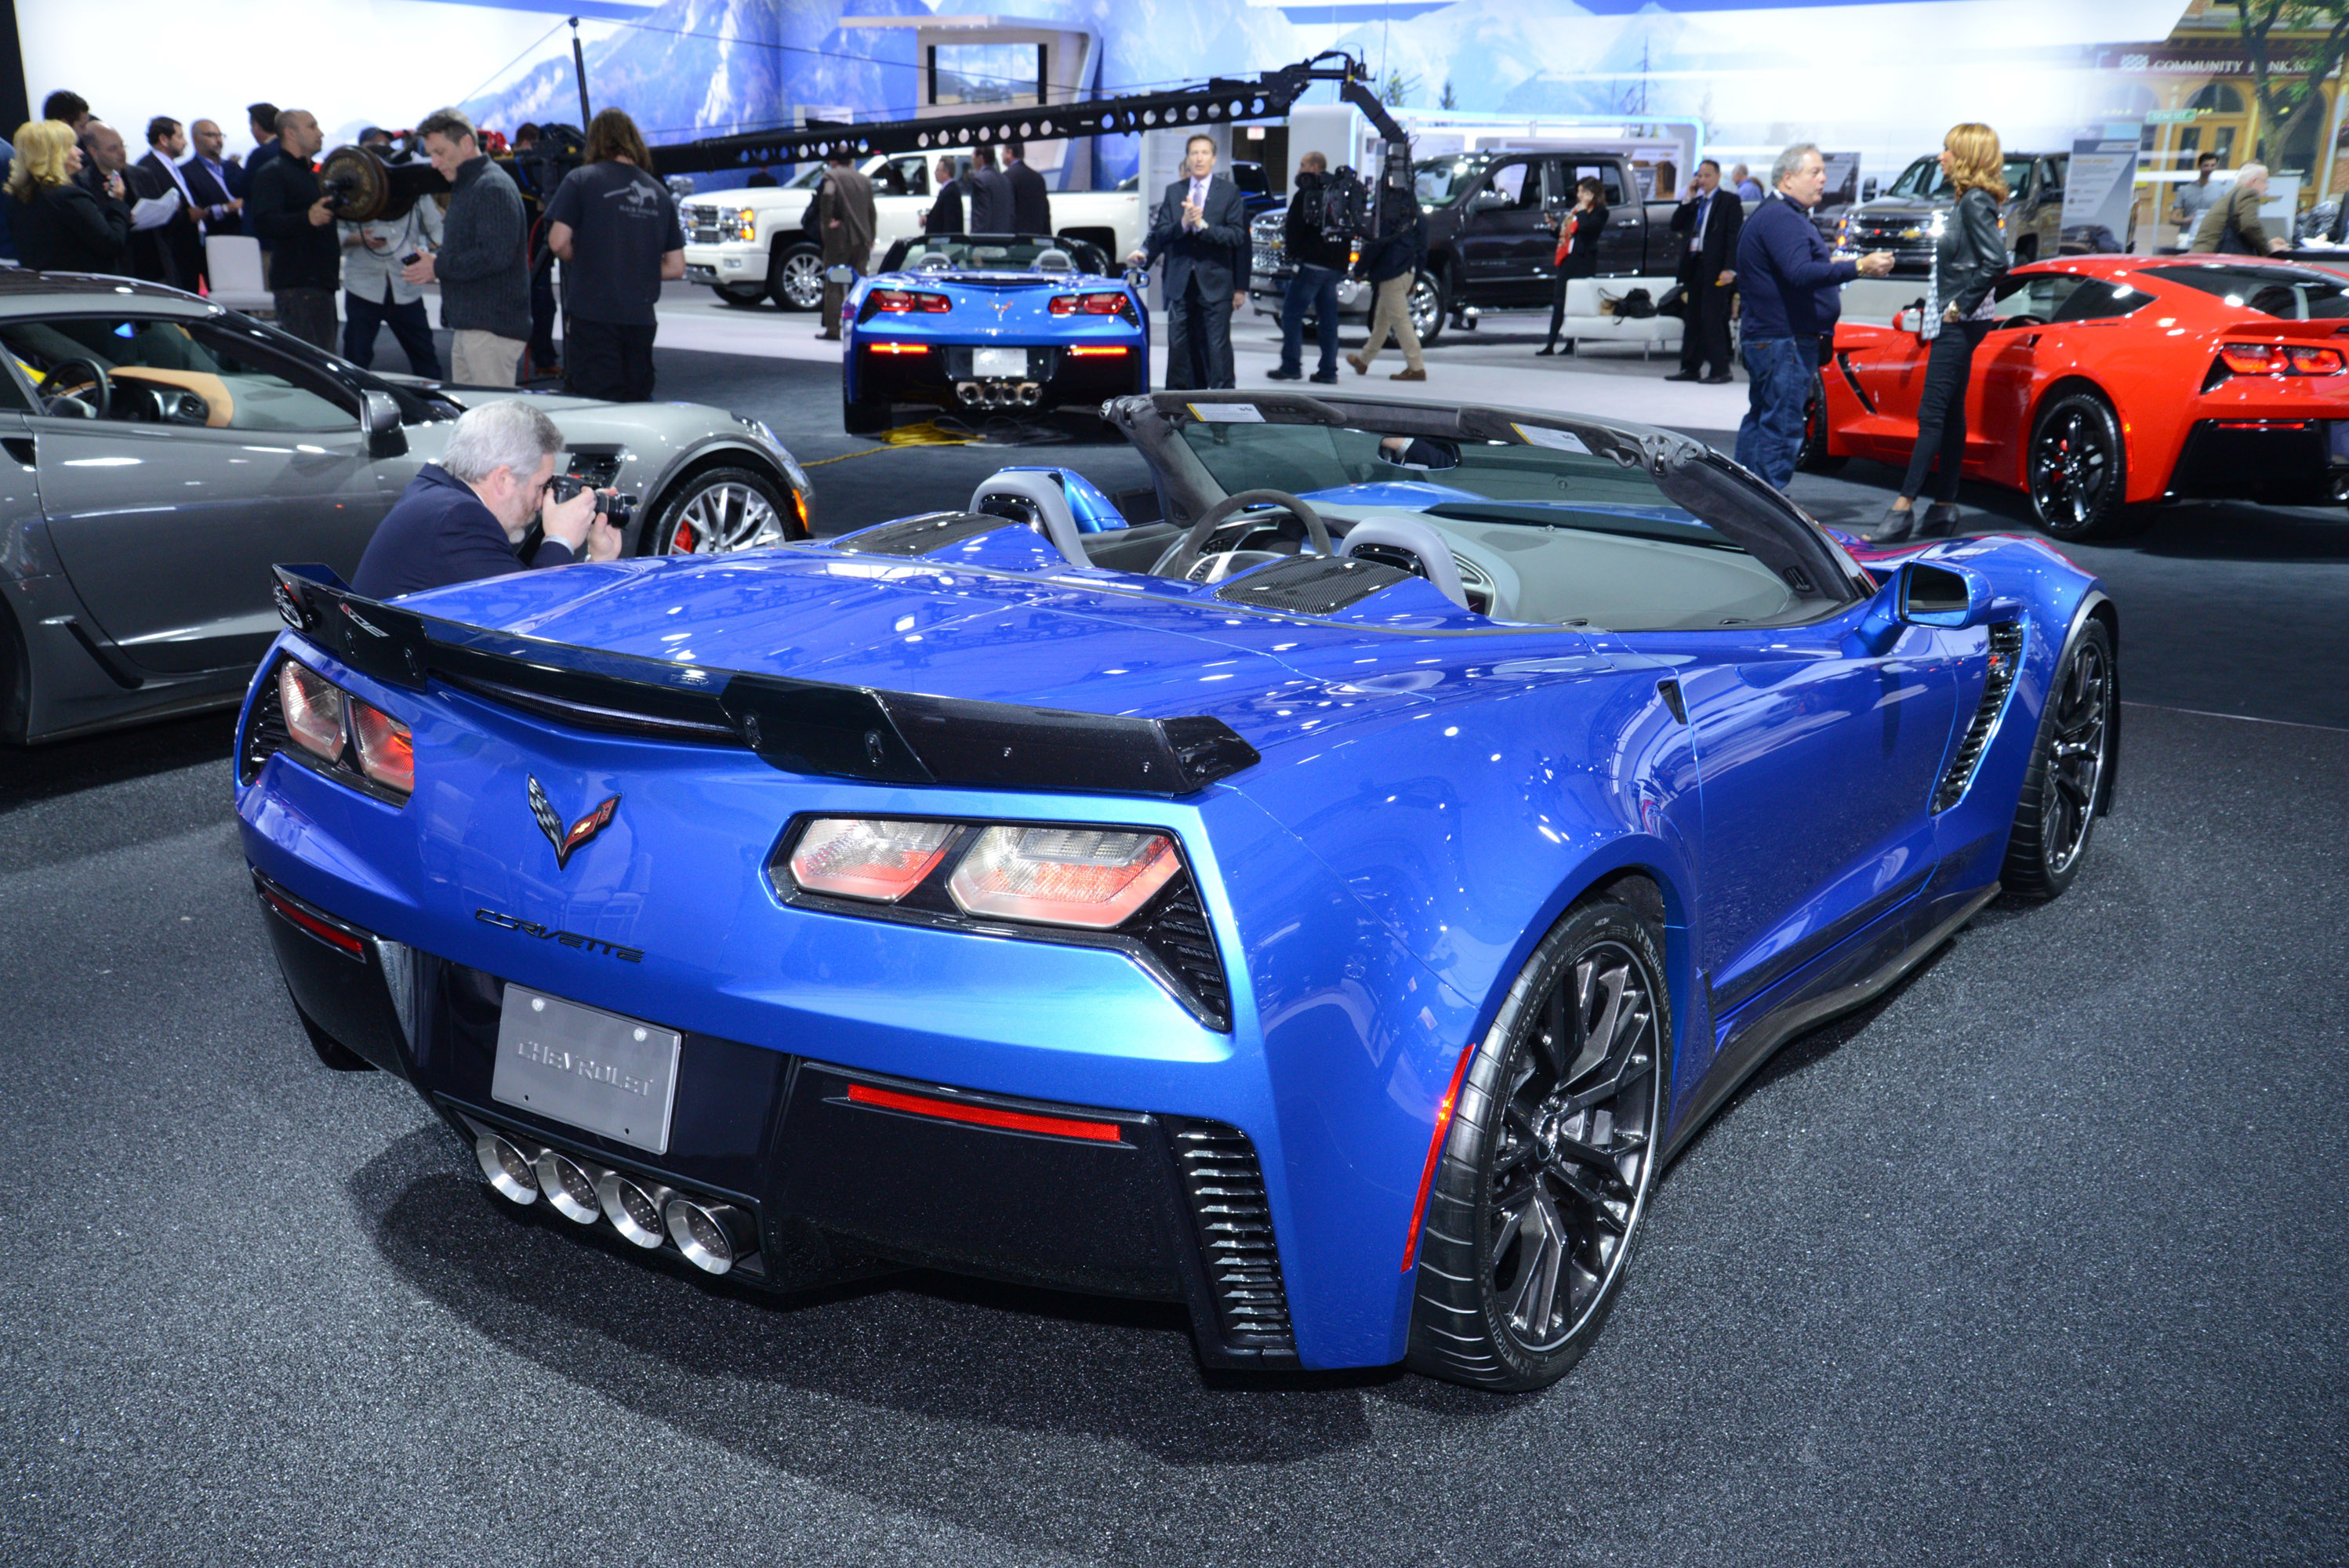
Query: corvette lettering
<point>568,938</point>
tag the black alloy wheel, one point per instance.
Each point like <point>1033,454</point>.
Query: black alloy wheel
<point>1549,1159</point>
<point>1814,458</point>
<point>2063,787</point>
<point>2078,469</point>
<point>719,510</point>
<point>1430,304</point>
<point>796,281</point>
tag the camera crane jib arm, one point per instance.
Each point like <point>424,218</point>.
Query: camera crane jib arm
<point>1218,101</point>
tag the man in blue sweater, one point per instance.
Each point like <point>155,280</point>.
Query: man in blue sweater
<point>463,517</point>
<point>1784,268</point>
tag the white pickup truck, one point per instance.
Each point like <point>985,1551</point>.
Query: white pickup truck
<point>756,242</point>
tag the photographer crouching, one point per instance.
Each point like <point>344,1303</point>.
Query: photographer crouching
<point>465,517</point>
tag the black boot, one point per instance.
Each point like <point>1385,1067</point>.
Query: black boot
<point>1940,519</point>
<point>1898,523</point>
<point>1546,349</point>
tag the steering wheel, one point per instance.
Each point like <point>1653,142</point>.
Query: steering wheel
<point>1184,554</point>
<point>96,382</point>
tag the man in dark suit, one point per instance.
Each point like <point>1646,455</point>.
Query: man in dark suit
<point>215,184</point>
<point>1031,203</point>
<point>105,161</point>
<point>182,242</point>
<point>1705,228</point>
<point>945,213</point>
<point>988,208</point>
<point>1201,228</point>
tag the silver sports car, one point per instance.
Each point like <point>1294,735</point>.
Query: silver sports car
<point>168,451</point>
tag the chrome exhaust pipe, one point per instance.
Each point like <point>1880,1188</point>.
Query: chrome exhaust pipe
<point>634,1207</point>
<point>511,1173</point>
<point>1029,393</point>
<point>712,1236</point>
<point>570,1188</point>
<point>968,392</point>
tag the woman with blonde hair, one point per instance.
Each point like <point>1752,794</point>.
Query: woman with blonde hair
<point>1969,259</point>
<point>60,226</point>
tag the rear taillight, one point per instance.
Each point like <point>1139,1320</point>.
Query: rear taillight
<point>2281,359</point>
<point>1090,876</point>
<point>862,857</point>
<point>1118,305</point>
<point>300,714</point>
<point>900,302</point>
<point>386,750</point>
<point>313,709</point>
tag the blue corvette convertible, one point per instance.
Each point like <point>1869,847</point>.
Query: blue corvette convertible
<point>1327,907</point>
<point>989,323</point>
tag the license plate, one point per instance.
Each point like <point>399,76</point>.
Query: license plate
<point>999,362</point>
<point>586,1067</point>
<point>695,275</point>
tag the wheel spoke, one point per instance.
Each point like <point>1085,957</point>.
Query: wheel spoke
<point>1537,1292</point>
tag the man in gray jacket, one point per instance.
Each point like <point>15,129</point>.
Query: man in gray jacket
<point>481,266</point>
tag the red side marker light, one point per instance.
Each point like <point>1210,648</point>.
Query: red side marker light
<point>315,926</point>
<point>984,1115</point>
<point>1435,1150</point>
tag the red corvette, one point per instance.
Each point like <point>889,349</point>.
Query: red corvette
<point>2111,381</point>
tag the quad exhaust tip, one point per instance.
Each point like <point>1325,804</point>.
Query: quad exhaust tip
<point>511,1175</point>
<point>572,1190</point>
<point>714,1236</point>
<point>635,1207</point>
<point>999,394</point>
<point>710,1236</point>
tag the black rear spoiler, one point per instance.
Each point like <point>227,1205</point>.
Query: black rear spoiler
<point>797,726</point>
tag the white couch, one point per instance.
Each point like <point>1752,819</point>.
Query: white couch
<point>1585,326</point>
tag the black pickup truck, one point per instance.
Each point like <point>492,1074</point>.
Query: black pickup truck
<point>1488,241</point>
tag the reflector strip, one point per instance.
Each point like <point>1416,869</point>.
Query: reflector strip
<point>318,928</point>
<point>2261,424</point>
<point>1088,352</point>
<point>1435,1148</point>
<point>896,348</point>
<point>985,1115</point>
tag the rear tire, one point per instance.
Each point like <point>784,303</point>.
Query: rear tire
<point>796,279</point>
<point>2076,469</point>
<point>2063,789</point>
<point>864,419</point>
<point>734,296</point>
<point>1546,1166</point>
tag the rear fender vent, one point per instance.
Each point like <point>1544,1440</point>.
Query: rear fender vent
<point>1174,929</point>
<point>265,729</point>
<point>2005,658</point>
<point>920,535</point>
<point>1312,584</point>
<point>1226,1188</point>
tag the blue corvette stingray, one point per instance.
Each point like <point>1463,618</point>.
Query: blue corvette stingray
<point>989,323</point>
<point>1326,908</point>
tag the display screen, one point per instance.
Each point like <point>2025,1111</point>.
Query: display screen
<point>986,73</point>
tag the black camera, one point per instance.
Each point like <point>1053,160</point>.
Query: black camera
<point>618,508</point>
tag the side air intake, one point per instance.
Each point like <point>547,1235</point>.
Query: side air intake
<point>1236,1244</point>
<point>2005,658</point>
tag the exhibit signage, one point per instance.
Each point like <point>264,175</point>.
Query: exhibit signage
<point>2098,187</point>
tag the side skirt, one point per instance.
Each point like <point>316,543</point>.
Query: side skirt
<point>1761,1040</point>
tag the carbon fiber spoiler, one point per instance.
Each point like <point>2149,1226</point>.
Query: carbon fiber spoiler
<point>796,725</point>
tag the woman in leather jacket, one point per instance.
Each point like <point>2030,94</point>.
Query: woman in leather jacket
<point>1969,259</point>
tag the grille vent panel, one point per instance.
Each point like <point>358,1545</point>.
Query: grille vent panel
<point>2005,659</point>
<point>1225,1187</point>
<point>920,535</point>
<point>1312,584</point>
<point>1175,930</point>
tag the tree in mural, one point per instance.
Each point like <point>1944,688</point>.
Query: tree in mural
<point>2289,97</point>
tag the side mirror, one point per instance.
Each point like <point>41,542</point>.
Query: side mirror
<point>1867,190</point>
<point>380,423</point>
<point>840,273</point>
